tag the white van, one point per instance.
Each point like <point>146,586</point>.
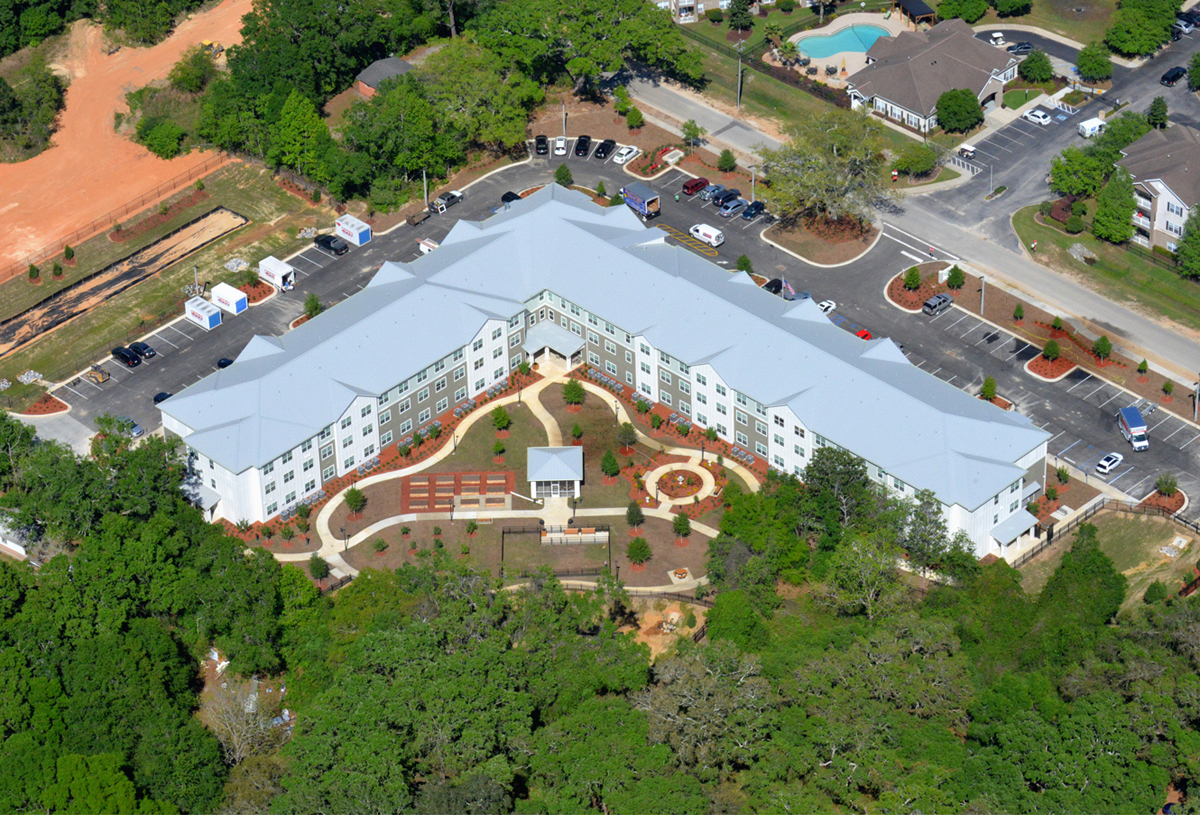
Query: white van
<point>1091,128</point>
<point>709,234</point>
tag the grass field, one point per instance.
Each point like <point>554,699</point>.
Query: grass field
<point>248,190</point>
<point>1132,541</point>
<point>1014,99</point>
<point>1120,275</point>
<point>1080,20</point>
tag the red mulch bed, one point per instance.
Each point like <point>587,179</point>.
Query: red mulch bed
<point>637,567</point>
<point>914,299</point>
<point>1168,503</point>
<point>45,405</point>
<point>502,434</point>
<point>158,217</point>
<point>681,542</point>
<point>574,408</point>
<point>669,484</point>
<point>1071,337</point>
<point>299,321</point>
<point>1046,507</point>
<point>1000,402</point>
<point>610,480</point>
<point>34,281</point>
<point>1051,369</point>
<point>257,292</point>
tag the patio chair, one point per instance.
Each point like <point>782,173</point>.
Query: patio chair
<point>811,70</point>
<point>831,70</point>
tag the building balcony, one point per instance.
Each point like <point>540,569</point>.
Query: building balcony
<point>1141,220</point>
<point>1141,240</point>
<point>1143,203</point>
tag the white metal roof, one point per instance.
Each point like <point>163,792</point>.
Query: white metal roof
<point>555,464</point>
<point>553,336</point>
<point>864,396</point>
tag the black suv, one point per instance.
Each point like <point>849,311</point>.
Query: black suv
<point>605,149</point>
<point>583,146</point>
<point>331,243</point>
<point>541,145</point>
<point>1172,76</point>
<point>509,197</point>
<point>142,350</point>
<point>1020,48</point>
<point>126,357</point>
<point>725,197</point>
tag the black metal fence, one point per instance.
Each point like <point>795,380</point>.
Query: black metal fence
<point>1056,531</point>
<point>336,584</point>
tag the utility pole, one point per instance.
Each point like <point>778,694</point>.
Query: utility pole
<point>1196,400</point>
<point>564,107</point>
<point>753,176</point>
<point>982,289</point>
<point>739,79</point>
<point>425,185</point>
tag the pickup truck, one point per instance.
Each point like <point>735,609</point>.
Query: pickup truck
<point>641,199</point>
<point>444,201</point>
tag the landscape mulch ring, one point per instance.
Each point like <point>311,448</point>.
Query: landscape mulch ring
<point>817,248</point>
<point>1168,503</point>
<point>46,405</point>
<point>913,299</point>
<point>1049,368</point>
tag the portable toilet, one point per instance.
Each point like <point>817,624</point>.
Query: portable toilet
<point>352,230</point>
<point>279,274</point>
<point>199,311</point>
<point>227,298</point>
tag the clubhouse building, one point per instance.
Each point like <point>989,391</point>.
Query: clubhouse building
<point>557,280</point>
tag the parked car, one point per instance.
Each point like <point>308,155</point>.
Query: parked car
<point>936,304</point>
<point>444,201</point>
<point>1109,463</point>
<point>142,350</point>
<point>1184,26</point>
<point>1020,48</point>
<point>541,145</point>
<point>126,357</point>
<point>131,427</point>
<point>560,145</point>
<point>331,243</point>
<point>863,334</point>
<point>1191,15</point>
<point>1176,34</point>
<point>583,146</point>
<point>827,306</point>
<point>710,191</point>
<point>708,234</point>
<point>1037,116</point>
<point>605,149</point>
<point>509,197</point>
<point>1171,77</point>
<point>732,207</point>
<point>725,197</point>
<point>224,362</point>
<point>754,210</point>
<point>625,155</point>
<point>694,185</point>
<point>161,397</point>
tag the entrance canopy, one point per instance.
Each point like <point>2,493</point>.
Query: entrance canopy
<point>548,335</point>
<point>1014,527</point>
<point>555,463</point>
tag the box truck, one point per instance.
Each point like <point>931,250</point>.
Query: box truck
<point>641,199</point>
<point>1091,127</point>
<point>1133,428</point>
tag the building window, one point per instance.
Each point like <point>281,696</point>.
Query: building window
<point>498,373</point>
<point>741,439</point>
<point>346,422</point>
<point>1013,506</point>
<point>779,440</point>
<point>592,320</point>
<point>366,411</point>
<point>443,405</point>
<point>629,357</point>
<point>423,395</point>
<point>645,349</point>
<point>405,427</point>
<point>306,446</point>
<point>610,347</point>
<point>459,373</point>
<point>328,473</point>
<point>760,428</point>
<point>369,450</point>
<point>685,408</point>
<point>664,397</point>
<point>368,430</point>
<point>460,394</point>
<point>720,389</point>
<point>684,387</point>
<point>664,357</point>
<point>740,417</point>
<point>290,498</point>
<point>422,376</point>
<point>423,416</point>
<point>1014,486</point>
<point>740,398</point>
<point>270,488</point>
<point>1174,228</point>
<point>610,366</point>
<point>898,483</point>
<point>270,468</point>
<point>308,465</point>
<point>477,345</point>
<point>701,379</point>
<point>496,352</point>
<point>479,384</point>
<point>721,430</point>
<point>386,438</point>
<point>798,450</point>
<point>310,485</point>
<point>516,361</point>
<point>346,442</point>
<point>478,363</point>
<point>576,329</point>
<point>779,421</point>
<point>348,463</point>
<point>645,368</point>
<point>326,433</point>
<point>440,385</point>
<point>402,388</point>
<point>721,409</point>
<point>289,476</point>
<point>575,310</point>
<point>645,388</point>
<point>439,366</point>
<point>608,327</point>
<point>326,451</point>
<point>385,417</point>
<point>760,448</point>
<point>701,398</point>
<point>701,419</point>
<point>406,406</point>
<point>779,462</point>
<point>665,377</point>
<point>514,340</point>
<point>798,430</point>
<point>593,338</point>
<point>496,334</point>
<point>272,509</point>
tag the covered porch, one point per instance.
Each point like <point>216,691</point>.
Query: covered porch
<point>548,343</point>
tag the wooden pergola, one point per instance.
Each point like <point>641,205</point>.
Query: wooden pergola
<point>917,11</point>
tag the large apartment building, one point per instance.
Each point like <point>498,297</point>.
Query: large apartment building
<point>1165,167</point>
<point>557,279</point>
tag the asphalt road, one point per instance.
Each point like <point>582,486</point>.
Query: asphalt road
<point>1079,412</point>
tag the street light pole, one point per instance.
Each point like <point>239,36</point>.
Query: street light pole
<point>739,78</point>
<point>616,412</point>
<point>982,289</point>
<point>344,539</point>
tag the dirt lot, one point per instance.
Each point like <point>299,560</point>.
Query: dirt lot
<point>50,195</point>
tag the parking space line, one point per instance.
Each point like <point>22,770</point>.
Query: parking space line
<point>184,333</point>
<point>77,393</point>
<point>1181,427</point>
<point>1080,382</point>
<point>90,382</point>
<point>1113,480</point>
<point>1197,436</point>
<point>1065,449</point>
<point>972,328</point>
<point>1165,418</point>
<point>1055,436</point>
<point>1093,393</point>
<point>956,322</point>
<point>1109,399</point>
<point>1138,484</point>
<point>935,372</point>
<point>161,338</point>
<point>951,379</point>
<point>985,337</point>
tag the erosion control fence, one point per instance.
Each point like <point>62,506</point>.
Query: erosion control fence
<point>106,221</point>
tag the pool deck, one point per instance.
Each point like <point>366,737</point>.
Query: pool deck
<point>847,62</point>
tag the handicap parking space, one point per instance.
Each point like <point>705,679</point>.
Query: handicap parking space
<point>687,240</point>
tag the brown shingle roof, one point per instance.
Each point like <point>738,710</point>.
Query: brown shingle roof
<point>913,70</point>
<point>1171,156</point>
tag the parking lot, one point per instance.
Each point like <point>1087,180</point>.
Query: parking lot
<point>1005,146</point>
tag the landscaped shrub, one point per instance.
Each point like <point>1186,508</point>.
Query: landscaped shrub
<point>563,177</point>
<point>1019,312</point>
<point>655,420</point>
<point>715,15</point>
<point>573,392</point>
<point>577,431</point>
<point>500,418</point>
<point>1051,351</point>
<point>609,465</point>
<point>380,545</point>
<point>1168,386</point>
<point>1156,592</point>
<point>1057,323</point>
<point>1045,208</point>
<point>744,264</point>
<point>1074,225</point>
<point>988,391</point>
<point>356,500</point>
<point>317,567</point>
<point>498,448</point>
<point>1036,67</point>
<point>56,269</point>
<point>33,272</point>
<point>638,551</point>
<point>956,279</point>
<point>1052,493</point>
<point>1167,484</point>
<point>1143,366</point>
<point>681,526</point>
<point>627,434</point>
<point>600,191</point>
<point>68,252</point>
<point>1063,474</point>
<point>633,515</point>
<point>912,279</point>
<point>472,527</point>
<point>1102,347</point>
<point>312,305</point>
<point>916,160</point>
<point>1078,208</point>
<point>726,162</point>
<point>634,118</point>
<point>711,434</point>
<point>787,6</point>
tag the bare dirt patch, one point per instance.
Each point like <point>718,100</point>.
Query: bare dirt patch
<point>50,195</point>
<point>823,243</point>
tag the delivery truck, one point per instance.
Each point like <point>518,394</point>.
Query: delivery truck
<point>1133,428</point>
<point>641,199</point>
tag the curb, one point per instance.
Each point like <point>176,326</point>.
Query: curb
<point>1058,378</point>
<point>855,259</point>
<point>887,298</point>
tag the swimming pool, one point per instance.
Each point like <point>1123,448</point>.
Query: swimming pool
<point>850,38</point>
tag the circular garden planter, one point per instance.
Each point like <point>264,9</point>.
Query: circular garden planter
<point>638,567</point>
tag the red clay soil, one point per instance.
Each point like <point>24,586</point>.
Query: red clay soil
<point>914,299</point>
<point>52,194</point>
<point>1051,369</point>
<point>257,292</point>
<point>1168,503</point>
<point>149,222</point>
<point>45,405</point>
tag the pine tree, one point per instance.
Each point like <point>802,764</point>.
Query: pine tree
<point>1157,114</point>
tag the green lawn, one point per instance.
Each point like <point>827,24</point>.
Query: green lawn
<point>244,189</point>
<point>1062,17</point>
<point>1014,99</point>
<point>1132,541</point>
<point>473,452</point>
<point>1119,274</point>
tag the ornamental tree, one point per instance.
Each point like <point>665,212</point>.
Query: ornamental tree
<point>681,526</point>
<point>915,160</point>
<point>573,392</point>
<point>988,391</point>
<point>638,551</point>
<point>1114,208</point>
<point>633,515</point>
<point>1051,351</point>
<point>609,464</point>
<point>1102,347</point>
<point>726,162</point>
<point>563,177</point>
<point>1094,62</point>
<point>912,278</point>
<point>956,279</point>
<point>356,500</point>
<point>958,110</point>
<point>1036,67</point>
<point>627,434</point>
<point>500,418</point>
<point>967,10</point>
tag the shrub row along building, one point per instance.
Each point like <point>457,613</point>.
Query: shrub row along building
<point>556,279</point>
